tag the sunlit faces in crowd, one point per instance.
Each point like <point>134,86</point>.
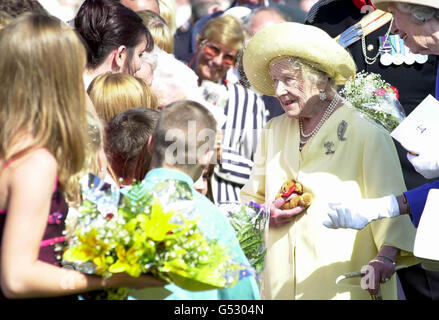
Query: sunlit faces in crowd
<point>146,72</point>
<point>217,46</point>
<point>419,37</point>
<point>133,58</point>
<point>201,184</point>
<point>115,36</point>
<point>214,60</point>
<point>265,17</point>
<point>138,5</point>
<point>147,67</point>
<point>297,94</point>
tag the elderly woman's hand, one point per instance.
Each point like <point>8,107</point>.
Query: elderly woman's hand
<point>278,216</point>
<point>384,268</point>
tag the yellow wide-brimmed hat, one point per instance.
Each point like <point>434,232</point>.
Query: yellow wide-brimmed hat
<point>382,4</point>
<point>290,39</point>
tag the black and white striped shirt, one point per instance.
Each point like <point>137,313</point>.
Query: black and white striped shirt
<point>245,112</point>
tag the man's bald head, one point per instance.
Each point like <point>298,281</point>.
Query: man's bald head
<point>262,18</point>
<point>138,5</point>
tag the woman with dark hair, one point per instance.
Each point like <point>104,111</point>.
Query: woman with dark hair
<point>115,36</point>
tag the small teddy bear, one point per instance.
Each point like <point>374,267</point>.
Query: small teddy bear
<point>293,191</point>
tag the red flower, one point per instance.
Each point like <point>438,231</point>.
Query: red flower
<point>361,3</point>
<point>109,216</point>
<point>395,91</point>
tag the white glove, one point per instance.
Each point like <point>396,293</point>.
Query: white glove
<point>427,162</point>
<point>356,215</point>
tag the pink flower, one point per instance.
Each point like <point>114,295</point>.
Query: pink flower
<point>380,92</point>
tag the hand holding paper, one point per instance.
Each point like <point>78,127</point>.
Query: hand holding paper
<point>426,162</point>
<point>418,134</point>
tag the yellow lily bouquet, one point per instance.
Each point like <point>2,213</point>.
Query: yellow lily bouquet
<point>132,233</point>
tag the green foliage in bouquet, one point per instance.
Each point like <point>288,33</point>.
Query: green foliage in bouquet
<point>250,222</point>
<point>390,122</point>
<point>142,238</point>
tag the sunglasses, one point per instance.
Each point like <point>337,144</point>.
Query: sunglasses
<point>212,51</point>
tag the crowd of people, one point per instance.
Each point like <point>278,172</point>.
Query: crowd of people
<point>100,88</point>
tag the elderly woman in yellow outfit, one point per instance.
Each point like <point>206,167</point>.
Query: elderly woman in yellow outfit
<point>334,153</point>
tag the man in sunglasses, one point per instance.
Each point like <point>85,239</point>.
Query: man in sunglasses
<point>214,60</point>
<point>217,47</point>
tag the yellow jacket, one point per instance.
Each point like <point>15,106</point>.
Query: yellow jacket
<point>304,258</point>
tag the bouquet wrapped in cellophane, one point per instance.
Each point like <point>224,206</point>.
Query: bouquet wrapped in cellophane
<point>250,222</point>
<point>129,231</point>
<point>374,98</point>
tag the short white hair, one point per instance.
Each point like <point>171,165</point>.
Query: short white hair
<point>419,14</point>
<point>173,80</point>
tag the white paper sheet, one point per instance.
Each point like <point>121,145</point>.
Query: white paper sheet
<point>421,127</point>
<point>426,248</point>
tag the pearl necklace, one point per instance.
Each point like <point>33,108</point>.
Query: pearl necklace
<point>325,117</point>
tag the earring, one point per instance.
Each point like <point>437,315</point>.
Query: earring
<point>322,96</point>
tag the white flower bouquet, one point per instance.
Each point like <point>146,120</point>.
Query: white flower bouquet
<point>374,98</point>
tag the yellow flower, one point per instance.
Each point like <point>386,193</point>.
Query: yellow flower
<point>90,249</point>
<point>175,264</point>
<point>127,261</point>
<point>157,226</point>
<point>101,263</point>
